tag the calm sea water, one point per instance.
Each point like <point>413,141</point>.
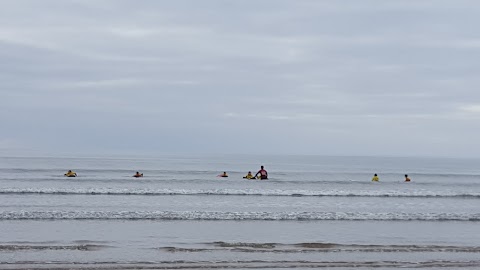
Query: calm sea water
<point>312,212</point>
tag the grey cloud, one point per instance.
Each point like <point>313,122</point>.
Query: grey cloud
<point>355,78</point>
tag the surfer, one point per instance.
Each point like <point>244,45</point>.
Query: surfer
<point>224,174</point>
<point>407,179</point>
<point>70,173</point>
<point>262,173</point>
<point>375,178</point>
<point>249,176</point>
<point>137,174</point>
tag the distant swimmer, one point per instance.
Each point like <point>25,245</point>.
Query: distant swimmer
<point>375,178</point>
<point>137,174</point>
<point>262,173</point>
<point>224,174</point>
<point>407,179</point>
<point>70,173</point>
<point>249,176</point>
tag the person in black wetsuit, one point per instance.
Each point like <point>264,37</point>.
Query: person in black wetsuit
<point>263,173</point>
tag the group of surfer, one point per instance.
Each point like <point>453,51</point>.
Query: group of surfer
<point>375,178</point>
<point>262,174</point>
<point>71,173</point>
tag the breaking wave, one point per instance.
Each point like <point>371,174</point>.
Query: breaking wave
<point>244,192</point>
<point>206,215</point>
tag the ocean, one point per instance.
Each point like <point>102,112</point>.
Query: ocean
<point>312,212</point>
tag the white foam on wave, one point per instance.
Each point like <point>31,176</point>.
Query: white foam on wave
<point>206,215</point>
<point>241,192</point>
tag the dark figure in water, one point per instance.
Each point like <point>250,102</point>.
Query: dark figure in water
<point>137,174</point>
<point>70,173</point>
<point>263,173</point>
<point>406,178</point>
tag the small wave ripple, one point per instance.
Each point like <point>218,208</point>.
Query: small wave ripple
<point>205,215</point>
<point>318,247</point>
<point>245,264</point>
<point>49,247</point>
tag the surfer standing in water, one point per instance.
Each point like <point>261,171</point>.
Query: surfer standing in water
<point>263,173</point>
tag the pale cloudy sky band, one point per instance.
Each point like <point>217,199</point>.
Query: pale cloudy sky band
<point>313,77</point>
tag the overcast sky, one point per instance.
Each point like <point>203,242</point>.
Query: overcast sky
<point>396,78</point>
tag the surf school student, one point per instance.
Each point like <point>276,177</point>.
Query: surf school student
<point>224,174</point>
<point>406,178</point>
<point>249,176</point>
<point>137,174</point>
<point>70,173</point>
<point>263,173</point>
<point>375,178</point>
